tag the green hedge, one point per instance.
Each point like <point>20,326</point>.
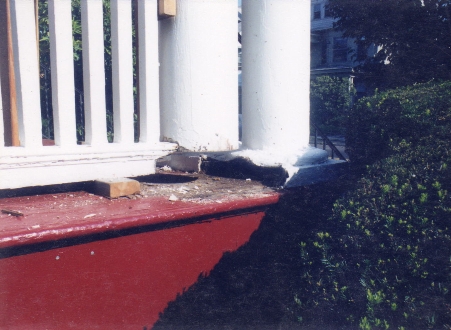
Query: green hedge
<point>330,99</point>
<point>377,123</point>
<point>383,259</point>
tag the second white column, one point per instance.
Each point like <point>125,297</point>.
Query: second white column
<point>276,74</point>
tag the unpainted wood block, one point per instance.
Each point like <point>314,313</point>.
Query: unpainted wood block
<point>166,8</point>
<point>114,188</point>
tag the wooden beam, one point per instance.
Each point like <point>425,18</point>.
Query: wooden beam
<point>166,8</point>
<point>7,76</point>
<point>4,73</point>
<point>114,188</point>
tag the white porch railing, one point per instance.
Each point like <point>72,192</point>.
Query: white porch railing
<point>188,89</point>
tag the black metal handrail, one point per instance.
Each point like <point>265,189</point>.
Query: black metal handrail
<point>327,141</point>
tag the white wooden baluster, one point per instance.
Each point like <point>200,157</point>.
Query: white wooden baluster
<point>2,128</point>
<point>149,104</point>
<point>62,65</point>
<point>27,72</point>
<point>93,72</point>
<point>122,64</point>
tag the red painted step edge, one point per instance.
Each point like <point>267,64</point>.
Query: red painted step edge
<point>60,216</point>
<point>119,283</point>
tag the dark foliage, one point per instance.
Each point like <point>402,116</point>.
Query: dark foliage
<point>383,257</point>
<point>379,122</point>
<point>414,36</point>
<point>330,99</point>
<point>382,260</point>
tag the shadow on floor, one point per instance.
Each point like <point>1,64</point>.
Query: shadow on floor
<point>254,288</point>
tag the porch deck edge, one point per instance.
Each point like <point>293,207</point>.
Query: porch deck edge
<point>68,215</point>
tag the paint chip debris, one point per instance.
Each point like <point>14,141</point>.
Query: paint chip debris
<point>173,198</point>
<point>183,190</point>
<point>166,168</point>
<point>201,187</point>
<point>13,213</point>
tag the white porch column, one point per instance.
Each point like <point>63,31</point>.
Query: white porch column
<point>276,74</point>
<point>93,72</point>
<point>62,64</point>
<point>198,75</point>
<point>27,73</point>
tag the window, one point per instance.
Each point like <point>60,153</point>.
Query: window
<point>340,50</point>
<point>317,11</point>
<point>361,52</point>
<point>327,12</point>
<point>324,52</point>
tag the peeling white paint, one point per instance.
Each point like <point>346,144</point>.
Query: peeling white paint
<point>198,75</point>
<point>292,162</point>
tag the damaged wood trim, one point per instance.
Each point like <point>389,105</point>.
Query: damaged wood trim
<point>166,8</point>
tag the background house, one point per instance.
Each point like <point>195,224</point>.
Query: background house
<point>329,49</point>
<point>331,53</point>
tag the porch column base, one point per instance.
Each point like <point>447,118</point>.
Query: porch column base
<point>273,168</point>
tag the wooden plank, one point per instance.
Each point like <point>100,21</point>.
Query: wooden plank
<point>26,73</point>
<point>5,119</point>
<point>10,120</point>
<point>114,188</point>
<point>15,140</point>
<point>24,167</point>
<point>167,8</point>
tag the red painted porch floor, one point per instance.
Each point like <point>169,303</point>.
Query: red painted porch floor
<point>63,215</point>
<point>80,261</point>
